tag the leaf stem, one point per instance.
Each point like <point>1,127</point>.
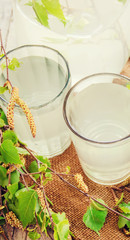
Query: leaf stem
<point>71,185</point>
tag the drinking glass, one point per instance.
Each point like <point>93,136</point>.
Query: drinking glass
<point>97,113</point>
<point>43,79</point>
<point>91,41</point>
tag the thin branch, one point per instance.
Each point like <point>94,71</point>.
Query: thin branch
<point>114,195</point>
<point>4,215</point>
<point>127,189</point>
<point>7,70</point>
<point>7,34</point>
<point>0,197</point>
<point>2,232</point>
<point>9,178</point>
<point>22,177</point>
<point>33,173</point>
<point>43,194</point>
<point>39,227</point>
<point>117,188</point>
<point>71,185</point>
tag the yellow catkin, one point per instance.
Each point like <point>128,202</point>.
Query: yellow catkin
<point>5,165</point>
<point>10,108</point>
<point>81,184</point>
<point>28,114</point>
<point>13,220</point>
<point>8,85</point>
<point>40,195</point>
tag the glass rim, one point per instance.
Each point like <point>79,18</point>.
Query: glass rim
<point>53,50</point>
<point>65,112</point>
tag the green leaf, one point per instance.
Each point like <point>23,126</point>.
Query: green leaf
<point>14,177</point>
<point>43,220</point>
<point>48,175</point>
<point>2,220</point>
<point>3,116</point>
<point>44,160</point>
<point>123,1</point>
<point>67,170</point>
<point>58,217</point>
<point>10,135</point>
<point>97,205</point>
<point>12,190</point>
<point>63,229</point>
<point>122,221</point>
<point>14,63</point>
<point>43,168</point>
<point>120,200</point>
<point>54,8</point>
<point>10,153</point>
<point>51,203</point>
<point>94,218</point>
<point>3,89</point>
<point>22,151</point>
<point>3,66</point>
<point>41,13</point>
<point>1,55</point>
<point>56,237</point>
<point>27,205</point>
<point>29,3</point>
<point>125,207</point>
<point>34,168</point>
<point>3,177</point>
<point>2,123</point>
<point>34,235</point>
<point>13,207</point>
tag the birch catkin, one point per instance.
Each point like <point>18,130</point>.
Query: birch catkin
<point>40,195</point>
<point>81,184</point>
<point>28,114</point>
<point>10,111</point>
<point>10,108</point>
<point>13,220</point>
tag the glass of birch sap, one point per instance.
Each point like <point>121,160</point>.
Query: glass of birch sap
<point>97,112</point>
<point>43,79</point>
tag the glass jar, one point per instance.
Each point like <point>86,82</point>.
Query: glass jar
<point>90,39</point>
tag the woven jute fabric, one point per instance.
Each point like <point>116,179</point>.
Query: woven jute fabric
<point>74,204</point>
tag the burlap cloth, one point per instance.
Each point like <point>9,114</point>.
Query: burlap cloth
<point>74,204</point>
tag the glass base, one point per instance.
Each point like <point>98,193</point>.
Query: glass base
<point>107,182</point>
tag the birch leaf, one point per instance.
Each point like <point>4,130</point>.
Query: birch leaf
<point>94,218</point>
<point>27,206</point>
<point>41,13</point>
<point>54,8</point>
